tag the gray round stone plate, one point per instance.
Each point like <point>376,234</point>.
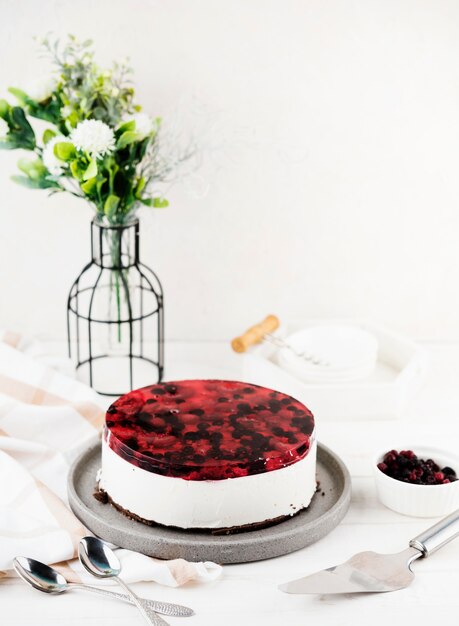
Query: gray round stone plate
<point>324,513</point>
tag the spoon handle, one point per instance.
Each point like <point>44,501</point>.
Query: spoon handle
<point>153,619</point>
<point>151,606</point>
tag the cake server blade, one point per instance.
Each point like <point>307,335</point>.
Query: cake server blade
<point>371,572</point>
<point>364,572</point>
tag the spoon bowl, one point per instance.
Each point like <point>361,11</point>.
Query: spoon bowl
<point>47,579</point>
<point>98,559</point>
<point>41,576</point>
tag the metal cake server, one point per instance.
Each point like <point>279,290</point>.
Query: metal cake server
<point>47,579</point>
<point>370,572</point>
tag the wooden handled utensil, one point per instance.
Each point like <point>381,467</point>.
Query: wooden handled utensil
<point>255,334</point>
<point>263,331</point>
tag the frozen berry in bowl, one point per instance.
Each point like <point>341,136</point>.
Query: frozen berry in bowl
<point>408,467</point>
<point>421,481</point>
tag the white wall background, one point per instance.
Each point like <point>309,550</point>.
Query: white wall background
<point>332,137</point>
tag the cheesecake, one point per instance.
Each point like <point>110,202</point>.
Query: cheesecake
<point>208,454</point>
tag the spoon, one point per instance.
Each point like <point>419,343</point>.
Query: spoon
<point>100,561</point>
<point>47,579</point>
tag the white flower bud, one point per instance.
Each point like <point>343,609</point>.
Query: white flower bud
<point>144,125</point>
<point>41,89</point>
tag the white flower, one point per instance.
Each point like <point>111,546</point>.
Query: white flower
<point>94,137</point>
<point>54,165</point>
<point>4,128</point>
<point>66,111</point>
<point>41,88</point>
<point>144,125</point>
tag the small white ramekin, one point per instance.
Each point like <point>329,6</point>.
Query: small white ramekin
<point>419,500</point>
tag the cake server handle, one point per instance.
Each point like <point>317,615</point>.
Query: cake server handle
<point>165,608</point>
<point>151,618</point>
<point>437,536</point>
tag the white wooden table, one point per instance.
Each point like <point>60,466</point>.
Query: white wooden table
<point>247,594</point>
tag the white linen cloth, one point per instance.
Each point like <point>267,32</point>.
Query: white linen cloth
<point>46,418</point>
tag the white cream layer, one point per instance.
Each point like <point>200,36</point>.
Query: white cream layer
<point>208,503</point>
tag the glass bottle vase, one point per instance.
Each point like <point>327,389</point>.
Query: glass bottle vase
<point>115,314</point>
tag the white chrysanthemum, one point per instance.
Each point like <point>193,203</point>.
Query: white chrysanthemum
<point>41,88</point>
<point>94,137</point>
<point>144,125</point>
<point>54,165</point>
<point>4,128</point>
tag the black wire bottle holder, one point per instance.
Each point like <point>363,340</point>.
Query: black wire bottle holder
<point>115,313</point>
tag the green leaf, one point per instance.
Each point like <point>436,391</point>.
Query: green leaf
<point>157,203</point>
<point>91,170</point>
<point>21,96</point>
<point>89,186</point>
<point>21,130</point>
<point>139,187</point>
<point>19,119</point>
<point>77,170</point>
<point>65,151</point>
<point>48,135</point>
<point>125,127</point>
<point>160,203</point>
<point>25,181</point>
<point>4,108</point>
<point>9,143</point>
<point>34,169</point>
<point>127,138</point>
<point>42,183</point>
<point>98,113</point>
<point>49,112</point>
<point>73,119</point>
<point>111,204</point>
<point>100,183</point>
<point>141,148</point>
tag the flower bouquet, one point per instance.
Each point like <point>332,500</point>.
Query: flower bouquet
<point>97,144</point>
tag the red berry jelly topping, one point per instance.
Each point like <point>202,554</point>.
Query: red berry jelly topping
<point>209,429</point>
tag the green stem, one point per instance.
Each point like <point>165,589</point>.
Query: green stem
<point>118,303</point>
<point>115,252</point>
